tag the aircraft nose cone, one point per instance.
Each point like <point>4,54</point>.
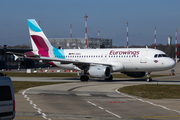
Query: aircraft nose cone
<point>171,63</point>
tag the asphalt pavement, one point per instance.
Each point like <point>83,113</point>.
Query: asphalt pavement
<point>95,99</point>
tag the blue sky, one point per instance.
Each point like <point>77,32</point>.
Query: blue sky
<point>107,16</point>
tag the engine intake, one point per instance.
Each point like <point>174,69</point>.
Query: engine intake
<point>100,71</point>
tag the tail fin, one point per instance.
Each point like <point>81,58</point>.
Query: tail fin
<point>39,41</point>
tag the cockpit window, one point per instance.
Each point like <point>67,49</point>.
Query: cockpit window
<point>164,55</point>
<point>160,55</point>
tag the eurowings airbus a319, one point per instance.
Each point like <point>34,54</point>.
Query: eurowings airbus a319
<point>97,63</point>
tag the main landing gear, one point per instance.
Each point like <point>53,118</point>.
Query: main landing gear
<point>110,78</point>
<point>148,79</point>
<point>84,78</point>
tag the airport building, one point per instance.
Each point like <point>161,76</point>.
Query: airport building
<point>7,61</point>
<point>75,43</point>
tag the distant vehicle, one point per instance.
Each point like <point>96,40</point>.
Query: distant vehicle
<point>98,63</point>
<point>7,100</point>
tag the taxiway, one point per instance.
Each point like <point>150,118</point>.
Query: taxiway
<point>96,99</point>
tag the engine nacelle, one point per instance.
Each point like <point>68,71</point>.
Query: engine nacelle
<point>100,71</point>
<point>135,74</point>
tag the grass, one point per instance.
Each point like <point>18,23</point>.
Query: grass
<point>153,91</point>
<point>20,85</point>
<point>20,74</point>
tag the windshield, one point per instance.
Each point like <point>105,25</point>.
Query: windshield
<point>160,55</point>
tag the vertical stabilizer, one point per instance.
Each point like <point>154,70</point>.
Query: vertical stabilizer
<point>40,44</point>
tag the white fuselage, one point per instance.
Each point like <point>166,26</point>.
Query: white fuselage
<point>124,59</point>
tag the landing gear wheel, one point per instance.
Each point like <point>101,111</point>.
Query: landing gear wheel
<point>84,78</point>
<point>110,78</point>
<point>149,79</point>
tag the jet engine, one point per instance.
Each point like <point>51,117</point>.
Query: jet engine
<point>135,74</point>
<point>100,71</point>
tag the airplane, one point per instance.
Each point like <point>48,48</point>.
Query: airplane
<point>97,63</point>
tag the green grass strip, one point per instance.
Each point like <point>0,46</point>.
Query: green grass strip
<point>153,91</point>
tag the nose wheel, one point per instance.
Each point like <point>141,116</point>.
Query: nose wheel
<point>148,79</point>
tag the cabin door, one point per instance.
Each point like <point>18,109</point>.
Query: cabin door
<point>143,57</point>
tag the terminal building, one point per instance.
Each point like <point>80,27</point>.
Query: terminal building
<point>7,61</point>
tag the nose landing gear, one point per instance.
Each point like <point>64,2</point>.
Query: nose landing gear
<point>148,79</point>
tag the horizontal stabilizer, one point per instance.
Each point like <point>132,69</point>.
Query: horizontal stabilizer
<point>15,57</point>
<point>31,55</point>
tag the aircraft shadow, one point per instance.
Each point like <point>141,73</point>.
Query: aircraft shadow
<point>134,80</point>
<point>117,80</point>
